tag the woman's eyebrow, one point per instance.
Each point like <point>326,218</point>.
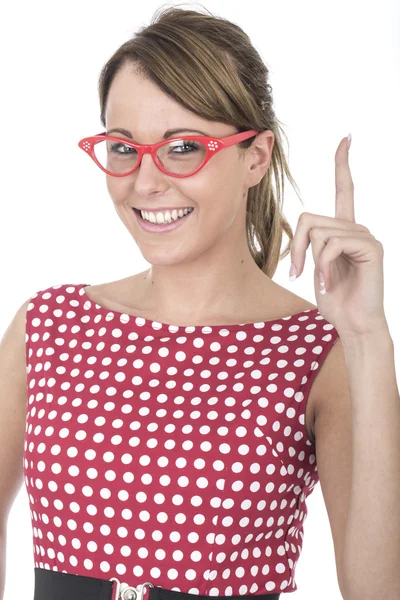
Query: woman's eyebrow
<point>166,135</point>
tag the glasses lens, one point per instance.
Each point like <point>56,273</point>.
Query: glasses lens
<point>181,157</point>
<point>116,157</point>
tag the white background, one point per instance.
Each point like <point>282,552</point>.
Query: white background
<point>334,69</point>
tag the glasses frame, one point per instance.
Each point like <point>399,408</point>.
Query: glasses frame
<point>212,144</point>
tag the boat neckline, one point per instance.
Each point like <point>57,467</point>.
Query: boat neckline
<point>152,324</point>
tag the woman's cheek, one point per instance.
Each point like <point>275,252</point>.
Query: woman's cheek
<point>118,190</point>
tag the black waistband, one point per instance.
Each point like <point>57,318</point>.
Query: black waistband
<point>55,585</point>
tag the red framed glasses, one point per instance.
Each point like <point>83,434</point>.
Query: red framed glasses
<point>178,157</point>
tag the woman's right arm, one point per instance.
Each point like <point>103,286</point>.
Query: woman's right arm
<point>13,404</point>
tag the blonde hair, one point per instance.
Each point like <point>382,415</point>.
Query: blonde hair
<point>209,66</point>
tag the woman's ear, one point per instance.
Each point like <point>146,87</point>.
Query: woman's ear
<point>259,157</point>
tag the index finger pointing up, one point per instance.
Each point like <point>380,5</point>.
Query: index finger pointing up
<point>344,208</point>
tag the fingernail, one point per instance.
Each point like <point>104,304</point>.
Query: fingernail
<point>349,141</point>
<point>292,272</point>
<point>322,284</point>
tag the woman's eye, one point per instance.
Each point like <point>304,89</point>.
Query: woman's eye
<point>185,146</point>
<point>125,149</point>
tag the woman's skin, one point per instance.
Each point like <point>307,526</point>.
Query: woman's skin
<point>204,269</point>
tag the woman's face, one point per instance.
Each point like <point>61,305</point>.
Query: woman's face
<point>217,193</point>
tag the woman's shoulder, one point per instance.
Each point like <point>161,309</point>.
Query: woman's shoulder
<point>283,302</point>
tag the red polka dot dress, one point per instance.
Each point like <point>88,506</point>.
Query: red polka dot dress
<point>169,454</point>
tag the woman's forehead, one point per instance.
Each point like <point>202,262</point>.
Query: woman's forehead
<point>136,104</point>
<point>144,104</point>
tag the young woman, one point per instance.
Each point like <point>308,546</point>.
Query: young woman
<point>178,419</point>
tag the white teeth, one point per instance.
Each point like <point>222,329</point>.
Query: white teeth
<point>165,217</point>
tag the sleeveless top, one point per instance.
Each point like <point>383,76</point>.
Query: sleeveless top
<point>171,454</point>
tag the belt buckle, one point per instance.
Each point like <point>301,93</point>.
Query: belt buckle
<point>129,592</point>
